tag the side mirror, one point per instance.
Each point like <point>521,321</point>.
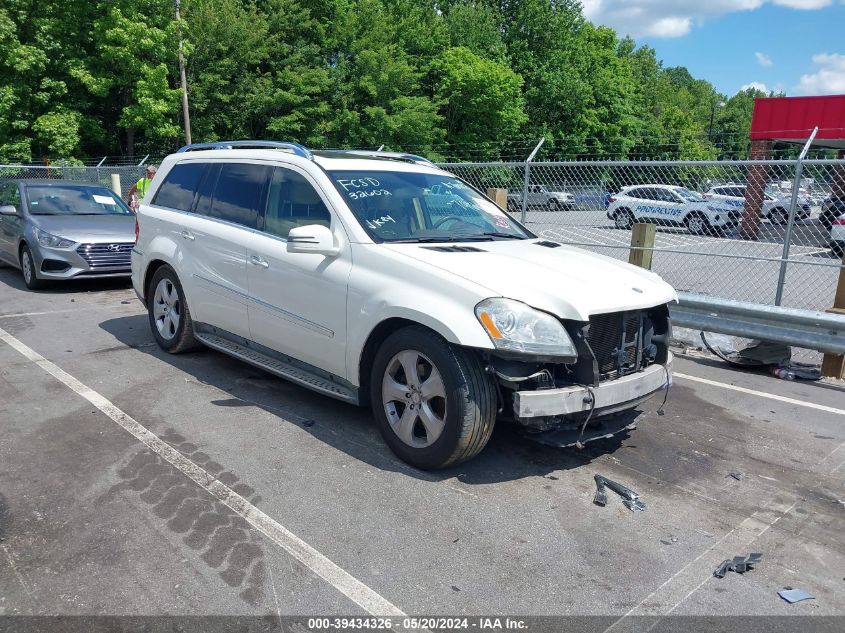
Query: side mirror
<point>8,209</point>
<point>312,238</point>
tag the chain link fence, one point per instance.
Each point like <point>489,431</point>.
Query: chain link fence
<point>102,175</point>
<point>747,230</point>
<point>754,231</point>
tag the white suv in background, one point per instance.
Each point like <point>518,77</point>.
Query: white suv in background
<point>383,280</point>
<point>671,205</point>
<point>775,207</point>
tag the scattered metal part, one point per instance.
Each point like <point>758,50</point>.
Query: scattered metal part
<point>737,476</point>
<point>739,564</point>
<point>630,499</point>
<point>794,595</point>
<point>600,499</point>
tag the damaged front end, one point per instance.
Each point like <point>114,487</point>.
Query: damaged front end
<point>622,359</point>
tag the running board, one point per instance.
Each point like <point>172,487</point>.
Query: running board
<point>279,368</point>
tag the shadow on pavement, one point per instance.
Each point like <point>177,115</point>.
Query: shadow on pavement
<point>12,278</point>
<point>508,456</point>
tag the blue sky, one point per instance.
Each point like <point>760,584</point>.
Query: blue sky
<point>797,46</point>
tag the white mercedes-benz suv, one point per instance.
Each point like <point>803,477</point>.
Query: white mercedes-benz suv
<point>381,280</point>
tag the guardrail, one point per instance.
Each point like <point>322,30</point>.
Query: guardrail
<point>820,331</point>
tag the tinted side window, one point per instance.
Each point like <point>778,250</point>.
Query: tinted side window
<point>635,193</point>
<point>238,193</point>
<point>10,194</point>
<point>180,184</point>
<point>291,202</point>
<point>206,189</point>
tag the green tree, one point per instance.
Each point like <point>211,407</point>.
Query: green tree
<point>482,103</point>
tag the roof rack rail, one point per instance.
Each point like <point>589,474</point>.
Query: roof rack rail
<point>294,148</point>
<point>411,158</point>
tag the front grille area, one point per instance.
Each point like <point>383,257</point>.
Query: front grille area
<point>617,343</point>
<point>106,256</point>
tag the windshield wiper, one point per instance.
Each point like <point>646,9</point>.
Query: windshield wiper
<point>448,238</point>
<point>505,235</point>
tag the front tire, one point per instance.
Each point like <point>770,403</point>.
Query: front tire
<point>553,205</point>
<point>779,216</point>
<point>170,318</point>
<point>433,403</point>
<point>28,270</point>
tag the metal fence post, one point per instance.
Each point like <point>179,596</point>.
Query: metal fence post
<point>528,177</point>
<point>793,204</point>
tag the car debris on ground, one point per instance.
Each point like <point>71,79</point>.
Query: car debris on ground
<point>794,595</point>
<point>739,564</point>
<point>630,499</point>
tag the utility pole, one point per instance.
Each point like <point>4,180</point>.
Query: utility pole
<point>186,116</point>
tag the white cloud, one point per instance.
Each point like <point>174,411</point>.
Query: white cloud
<point>763,59</point>
<point>829,77</point>
<point>756,85</point>
<point>674,18</point>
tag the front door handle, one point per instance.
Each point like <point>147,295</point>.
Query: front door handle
<point>187,235</point>
<point>255,260</point>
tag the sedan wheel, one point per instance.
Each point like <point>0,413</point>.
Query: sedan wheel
<point>28,270</point>
<point>414,398</point>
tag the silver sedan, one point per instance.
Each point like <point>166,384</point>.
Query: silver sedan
<point>57,230</point>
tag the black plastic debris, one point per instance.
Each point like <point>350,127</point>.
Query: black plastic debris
<point>739,564</point>
<point>630,499</point>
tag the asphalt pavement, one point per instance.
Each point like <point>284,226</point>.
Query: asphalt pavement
<point>96,518</point>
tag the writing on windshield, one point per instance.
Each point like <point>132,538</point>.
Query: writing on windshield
<point>418,206</point>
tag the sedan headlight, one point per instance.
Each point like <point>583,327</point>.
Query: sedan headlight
<point>54,241</point>
<point>514,326</point>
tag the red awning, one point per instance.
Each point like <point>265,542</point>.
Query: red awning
<point>792,119</point>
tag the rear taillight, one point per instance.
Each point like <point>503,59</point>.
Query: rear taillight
<point>137,230</point>
<point>840,221</point>
<point>611,199</point>
<point>707,196</point>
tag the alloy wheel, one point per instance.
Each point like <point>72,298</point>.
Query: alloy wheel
<point>167,309</point>
<point>414,398</point>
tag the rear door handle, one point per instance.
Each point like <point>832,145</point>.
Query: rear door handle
<point>188,235</point>
<point>255,260</point>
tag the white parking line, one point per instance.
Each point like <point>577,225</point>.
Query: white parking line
<point>690,578</point>
<point>29,314</point>
<point>341,580</point>
<point>763,394</point>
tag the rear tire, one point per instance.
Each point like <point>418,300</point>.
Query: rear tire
<point>28,270</point>
<point>624,219</point>
<point>697,224</point>
<point>170,318</point>
<point>433,403</point>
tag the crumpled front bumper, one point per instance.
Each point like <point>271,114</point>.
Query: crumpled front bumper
<point>612,396</point>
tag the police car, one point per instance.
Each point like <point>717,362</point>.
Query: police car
<point>775,205</point>
<point>670,205</point>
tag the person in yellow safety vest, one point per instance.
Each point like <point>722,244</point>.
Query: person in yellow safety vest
<point>139,189</point>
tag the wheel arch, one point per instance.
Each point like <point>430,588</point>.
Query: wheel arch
<point>388,326</point>
<point>152,268</point>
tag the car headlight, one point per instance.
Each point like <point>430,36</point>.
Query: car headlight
<point>48,239</point>
<point>516,327</point>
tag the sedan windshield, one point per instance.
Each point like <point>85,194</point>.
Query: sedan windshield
<point>423,207</point>
<point>74,200</point>
<point>689,196</point>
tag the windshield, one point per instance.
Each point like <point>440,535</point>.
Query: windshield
<point>689,196</point>
<point>74,200</point>
<point>421,207</point>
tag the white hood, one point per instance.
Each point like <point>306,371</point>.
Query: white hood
<point>568,282</point>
